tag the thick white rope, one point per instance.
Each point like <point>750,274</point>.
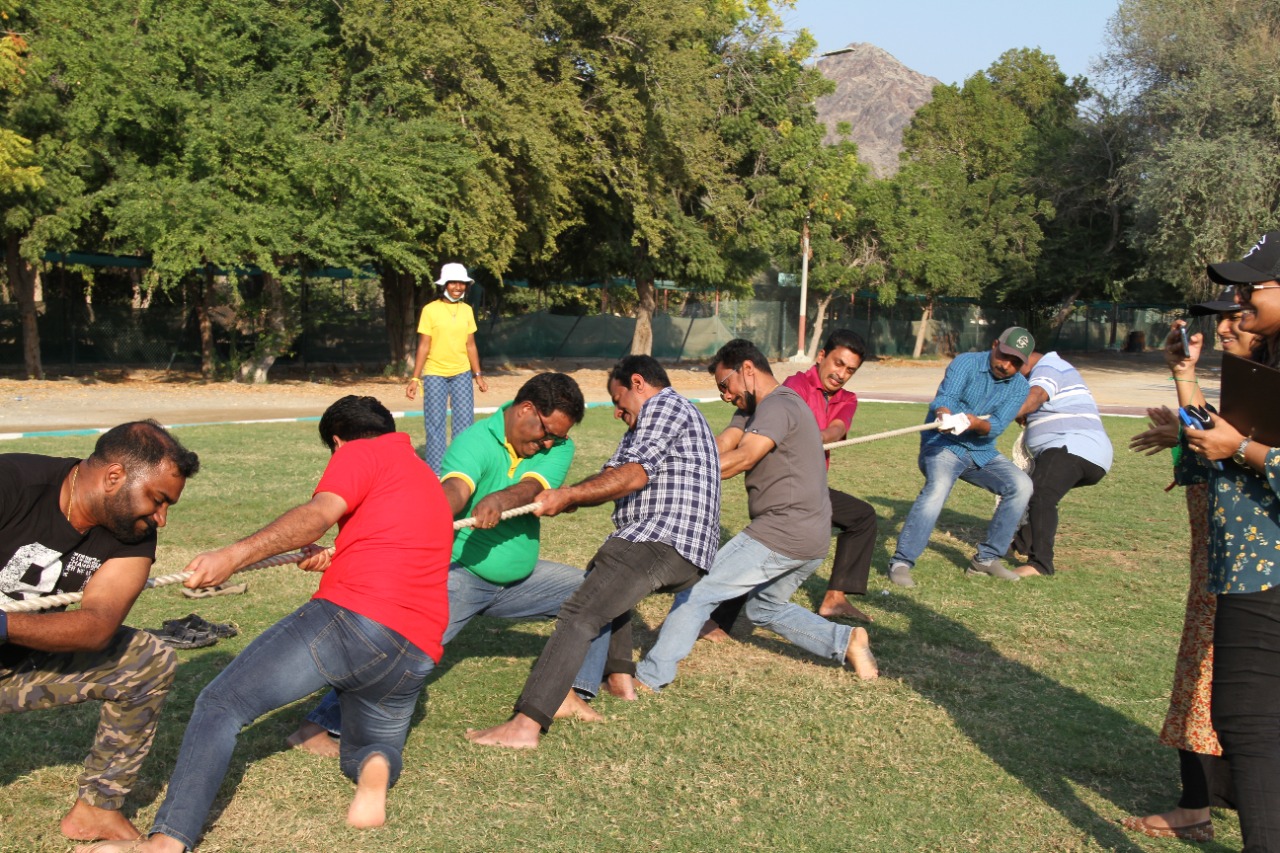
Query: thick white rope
<point>863,439</point>
<point>62,598</point>
<point>47,601</point>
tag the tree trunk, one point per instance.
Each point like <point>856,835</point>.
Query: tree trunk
<point>401,319</point>
<point>25,283</point>
<point>1068,305</point>
<point>642,339</point>
<point>274,338</point>
<point>203,298</point>
<point>925,317</point>
<point>815,334</point>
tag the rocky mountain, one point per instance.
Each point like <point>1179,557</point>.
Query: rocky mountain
<point>877,95</point>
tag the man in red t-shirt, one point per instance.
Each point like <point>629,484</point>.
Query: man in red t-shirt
<point>372,631</point>
<point>822,387</point>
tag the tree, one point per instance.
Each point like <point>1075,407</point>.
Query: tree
<point>1198,81</point>
<point>19,177</point>
<point>960,215</point>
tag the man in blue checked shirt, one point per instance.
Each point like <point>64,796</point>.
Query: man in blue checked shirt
<point>980,395</point>
<point>665,481</point>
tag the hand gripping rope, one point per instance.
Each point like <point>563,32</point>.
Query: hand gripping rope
<point>48,601</point>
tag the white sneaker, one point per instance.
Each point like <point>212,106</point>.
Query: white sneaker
<point>900,574</point>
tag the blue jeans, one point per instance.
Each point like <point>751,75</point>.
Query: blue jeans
<point>538,596</point>
<point>443,395</point>
<point>941,469</point>
<point>744,566</point>
<point>378,671</point>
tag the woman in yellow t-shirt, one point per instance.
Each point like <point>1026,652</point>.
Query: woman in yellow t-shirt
<point>447,362</point>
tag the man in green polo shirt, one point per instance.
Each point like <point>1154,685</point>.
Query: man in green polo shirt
<point>498,464</point>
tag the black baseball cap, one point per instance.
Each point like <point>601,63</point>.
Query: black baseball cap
<point>1261,263</point>
<point>1224,304</point>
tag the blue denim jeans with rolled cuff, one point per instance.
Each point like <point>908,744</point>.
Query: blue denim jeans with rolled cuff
<point>769,579</point>
<point>378,672</point>
<point>941,469</point>
<point>442,396</point>
<point>538,596</point>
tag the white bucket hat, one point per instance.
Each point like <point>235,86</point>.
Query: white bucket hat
<point>453,272</point>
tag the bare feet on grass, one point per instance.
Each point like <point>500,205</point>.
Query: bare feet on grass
<point>622,685</point>
<point>836,605</point>
<point>858,655</point>
<point>519,732</point>
<point>1027,571</point>
<point>89,823</point>
<point>573,707</point>
<point>314,739</point>
<point>713,632</point>
<point>155,844</point>
<point>369,806</point>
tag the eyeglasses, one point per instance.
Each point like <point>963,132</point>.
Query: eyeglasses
<point>723,384</point>
<point>548,435</point>
<point>1246,290</point>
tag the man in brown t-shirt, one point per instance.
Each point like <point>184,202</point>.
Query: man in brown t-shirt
<point>773,439</point>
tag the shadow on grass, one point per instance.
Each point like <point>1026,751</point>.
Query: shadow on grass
<point>1050,737</point>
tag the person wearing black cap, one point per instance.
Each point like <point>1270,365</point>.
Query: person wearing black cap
<point>1244,553</point>
<point>980,395</point>
<point>1204,774</point>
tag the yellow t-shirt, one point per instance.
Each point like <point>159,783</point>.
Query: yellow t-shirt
<point>447,324</point>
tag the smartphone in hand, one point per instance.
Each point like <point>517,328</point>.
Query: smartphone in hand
<point>1186,341</point>
<point>1197,417</point>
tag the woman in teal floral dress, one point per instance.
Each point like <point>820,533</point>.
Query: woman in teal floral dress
<point>1244,556</point>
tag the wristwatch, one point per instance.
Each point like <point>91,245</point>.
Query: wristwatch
<point>1238,456</point>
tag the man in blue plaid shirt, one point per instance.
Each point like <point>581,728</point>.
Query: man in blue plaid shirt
<point>665,480</point>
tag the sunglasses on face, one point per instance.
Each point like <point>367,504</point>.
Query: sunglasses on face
<point>1246,290</point>
<point>723,384</point>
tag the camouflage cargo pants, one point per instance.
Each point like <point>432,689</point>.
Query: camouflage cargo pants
<point>130,677</point>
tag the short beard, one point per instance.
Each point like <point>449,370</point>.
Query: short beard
<point>122,523</point>
<point>749,400</point>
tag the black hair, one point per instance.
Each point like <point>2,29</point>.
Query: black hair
<point>553,392</point>
<point>734,353</point>
<point>355,417</point>
<point>645,365</point>
<point>851,341</point>
<point>144,444</point>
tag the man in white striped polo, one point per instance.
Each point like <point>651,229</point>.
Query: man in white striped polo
<point>1066,438</point>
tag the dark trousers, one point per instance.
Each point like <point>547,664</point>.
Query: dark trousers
<point>1206,781</point>
<point>620,575</point>
<point>855,520</point>
<point>1056,473</point>
<point>1246,709</point>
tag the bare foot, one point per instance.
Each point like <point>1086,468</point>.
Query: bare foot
<point>713,632</point>
<point>88,823</point>
<point>836,605</point>
<point>369,806</point>
<point>573,707</point>
<point>622,685</point>
<point>858,655</point>
<point>1027,571</point>
<point>519,732</point>
<point>314,739</point>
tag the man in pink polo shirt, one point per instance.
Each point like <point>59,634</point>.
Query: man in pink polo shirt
<point>822,387</point>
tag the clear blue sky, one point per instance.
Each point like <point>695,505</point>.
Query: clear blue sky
<point>953,39</point>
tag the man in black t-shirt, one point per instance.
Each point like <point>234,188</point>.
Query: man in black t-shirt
<point>70,525</point>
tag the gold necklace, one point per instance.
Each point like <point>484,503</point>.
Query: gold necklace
<point>71,501</point>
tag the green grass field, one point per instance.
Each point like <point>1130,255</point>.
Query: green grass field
<point>1009,717</point>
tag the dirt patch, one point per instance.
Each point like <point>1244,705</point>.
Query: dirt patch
<point>1122,384</point>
